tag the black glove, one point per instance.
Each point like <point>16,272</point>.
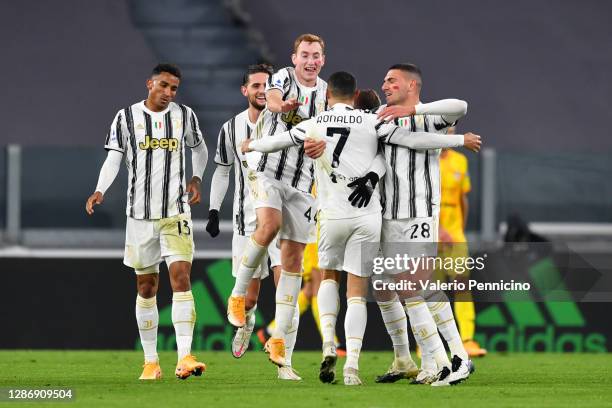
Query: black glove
<point>364,187</point>
<point>213,223</point>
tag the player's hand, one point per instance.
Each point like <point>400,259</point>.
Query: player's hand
<point>396,111</point>
<point>472,142</point>
<point>193,189</point>
<point>289,105</point>
<point>314,148</point>
<point>364,187</point>
<point>213,223</point>
<point>244,147</point>
<point>94,199</point>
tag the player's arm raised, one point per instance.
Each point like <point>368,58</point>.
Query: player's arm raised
<point>422,140</point>
<point>108,172</point>
<point>276,104</point>
<point>293,137</point>
<point>450,109</point>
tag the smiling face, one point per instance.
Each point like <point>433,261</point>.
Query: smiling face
<point>255,90</point>
<point>308,60</point>
<point>398,86</point>
<point>162,90</point>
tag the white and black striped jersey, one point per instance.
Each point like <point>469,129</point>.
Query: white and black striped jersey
<point>232,133</point>
<point>291,165</point>
<point>411,186</point>
<point>153,145</point>
<point>352,137</point>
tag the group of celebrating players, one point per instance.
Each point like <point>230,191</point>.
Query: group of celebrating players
<point>376,173</point>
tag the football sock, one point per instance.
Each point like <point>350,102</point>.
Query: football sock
<point>270,327</point>
<point>292,336</point>
<point>466,315</point>
<point>394,317</point>
<point>250,260</point>
<point>328,301</point>
<point>440,308</point>
<point>287,291</point>
<point>354,328</point>
<point>250,312</point>
<point>314,309</point>
<point>424,328</point>
<point>183,319</point>
<point>147,318</point>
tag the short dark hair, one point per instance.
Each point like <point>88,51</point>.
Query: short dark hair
<point>342,84</point>
<point>169,68</point>
<point>409,68</point>
<point>367,99</point>
<point>256,69</point>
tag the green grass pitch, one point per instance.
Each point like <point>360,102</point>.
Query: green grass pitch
<point>109,379</point>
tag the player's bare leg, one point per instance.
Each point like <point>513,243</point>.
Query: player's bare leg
<point>183,319</point>
<point>147,317</point>
<point>268,224</point>
<point>329,302</point>
<point>287,290</point>
<point>354,326</point>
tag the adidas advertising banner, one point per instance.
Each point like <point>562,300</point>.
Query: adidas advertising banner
<point>89,303</point>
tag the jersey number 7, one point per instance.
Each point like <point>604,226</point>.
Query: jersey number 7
<point>344,134</point>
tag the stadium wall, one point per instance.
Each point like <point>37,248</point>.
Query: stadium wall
<point>89,303</point>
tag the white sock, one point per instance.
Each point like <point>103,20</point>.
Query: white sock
<point>147,318</point>
<point>424,328</point>
<point>183,319</point>
<point>329,304</point>
<point>440,308</point>
<point>354,328</point>
<point>291,336</point>
<point>394,317</point>
<point>250,260</point>
<point>286,299</point>
<point>250,314</point>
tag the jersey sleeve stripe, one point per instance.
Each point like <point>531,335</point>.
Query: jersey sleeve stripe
<point>222,146</point>
<point>119,133</point>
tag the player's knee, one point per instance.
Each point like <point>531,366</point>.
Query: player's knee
<point>266,231</point>
<point>147,289</point>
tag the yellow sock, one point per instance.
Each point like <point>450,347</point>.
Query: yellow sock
<point>303,302</point>
<point>465,314</point>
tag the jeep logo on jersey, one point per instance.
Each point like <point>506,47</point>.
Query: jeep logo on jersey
<point>292,118</point>
<point>164,143</point>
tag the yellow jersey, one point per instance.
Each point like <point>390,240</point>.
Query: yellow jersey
<point>455,182</point>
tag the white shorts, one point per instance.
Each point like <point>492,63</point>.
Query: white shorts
<point>297,208</point>
<point>149,242</point>
<point>414,237</point>
<point>262,272</point>
<point>349,244</point>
